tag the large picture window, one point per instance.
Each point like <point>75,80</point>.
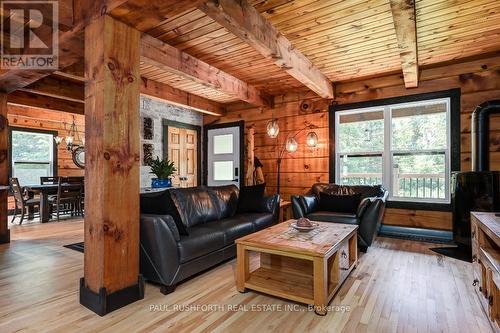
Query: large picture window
<point>405,146</point>
<point>33,155</point>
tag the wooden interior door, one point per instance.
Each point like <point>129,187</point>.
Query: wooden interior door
<point>183,151</point>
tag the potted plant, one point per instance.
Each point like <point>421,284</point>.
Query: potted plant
<point>163,169</point>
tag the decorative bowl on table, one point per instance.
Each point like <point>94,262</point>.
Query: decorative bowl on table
<point>304,224</point>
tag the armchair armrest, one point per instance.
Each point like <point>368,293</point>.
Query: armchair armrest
<point>159,259</point>
<point>371,218</point>
<point>303,205</point>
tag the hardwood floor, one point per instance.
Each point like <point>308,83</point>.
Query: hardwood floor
<point>399,286</point>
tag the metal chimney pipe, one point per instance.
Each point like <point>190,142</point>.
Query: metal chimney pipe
<point>480,125</point>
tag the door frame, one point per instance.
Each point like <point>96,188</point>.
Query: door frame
<point>241,125</point>
<point>166,123</point>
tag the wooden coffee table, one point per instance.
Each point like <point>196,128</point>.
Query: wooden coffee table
<point>305,267</point>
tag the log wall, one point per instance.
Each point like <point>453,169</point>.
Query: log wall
<point>479,81</point>
<point>41,119</point>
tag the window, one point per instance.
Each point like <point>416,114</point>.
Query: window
<point>32,155</point>
<point>404,146</point>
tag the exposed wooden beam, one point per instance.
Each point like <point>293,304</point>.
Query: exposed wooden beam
<point>159,54</point>
<point>403,16</point>
<point>4,170</point>
<point>53,86</point>
<point>45,102</point>
<point>70,40</point>
<point>243,20</point>
<point>111,260</point>
<point>179,97</point>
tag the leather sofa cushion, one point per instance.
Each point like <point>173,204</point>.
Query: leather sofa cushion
<point>259,220</point>
<point>226,197</point>
<point>196,205</point>
<point>325,216</point>
<point>201,241</point>
<point>233,228</point>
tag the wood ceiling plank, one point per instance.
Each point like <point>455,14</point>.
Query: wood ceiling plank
<point>145,15</point>
<point>245,22</point>
<point>403,13</point>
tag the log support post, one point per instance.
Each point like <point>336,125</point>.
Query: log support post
<point>111,260</point>
<point>4,170</point>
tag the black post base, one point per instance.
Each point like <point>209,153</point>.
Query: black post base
<point>103,303</point>
<point>5,238</point>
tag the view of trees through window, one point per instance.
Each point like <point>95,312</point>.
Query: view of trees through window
<point>410,158</point>
<point>32,156</point>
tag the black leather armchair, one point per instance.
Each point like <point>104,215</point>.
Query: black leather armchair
<point>368,216</point>
<point>186,231</point>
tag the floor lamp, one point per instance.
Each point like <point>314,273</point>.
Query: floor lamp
<point>290,146</point>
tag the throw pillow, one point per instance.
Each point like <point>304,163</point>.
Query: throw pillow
<point>250,198</point>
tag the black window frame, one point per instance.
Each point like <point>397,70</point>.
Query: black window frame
<point>55,163</point>
<point>455,140</point>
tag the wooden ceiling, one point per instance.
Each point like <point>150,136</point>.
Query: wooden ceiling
<point>345,40</point>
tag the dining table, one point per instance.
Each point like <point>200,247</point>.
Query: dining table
<point>44,191</point>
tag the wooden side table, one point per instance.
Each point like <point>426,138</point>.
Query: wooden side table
<point>286,212</point>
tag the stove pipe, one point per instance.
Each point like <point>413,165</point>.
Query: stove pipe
<point>480,134</point>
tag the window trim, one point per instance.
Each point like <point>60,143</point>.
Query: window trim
<point>453,137</point>
<point>55,157</point>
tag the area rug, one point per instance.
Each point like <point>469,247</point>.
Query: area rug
<point>76,246</point>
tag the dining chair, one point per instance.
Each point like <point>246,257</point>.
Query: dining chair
<point>49,180</point>
<point>20,200</point>
<point>67,199</point>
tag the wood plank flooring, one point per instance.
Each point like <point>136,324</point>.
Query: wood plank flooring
<point>399,286</point>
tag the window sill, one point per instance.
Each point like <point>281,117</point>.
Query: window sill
<point>439,206</point>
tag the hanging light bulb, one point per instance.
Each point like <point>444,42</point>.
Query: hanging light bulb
<point>312,139</point>
<point>291,145</point>
<point>273,128</point>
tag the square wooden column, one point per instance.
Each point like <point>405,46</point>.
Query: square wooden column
<point>111,266</point>
<point>4,169</point>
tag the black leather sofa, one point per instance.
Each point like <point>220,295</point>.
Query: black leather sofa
<point>186,231</point>
<point>368,216</point>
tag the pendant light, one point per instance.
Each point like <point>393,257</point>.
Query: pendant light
<point>273,128</point>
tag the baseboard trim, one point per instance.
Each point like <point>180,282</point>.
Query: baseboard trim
<point>417,234</point>
<point>104,303</point>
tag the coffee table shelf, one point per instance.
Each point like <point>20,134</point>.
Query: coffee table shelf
<point>293,286</point>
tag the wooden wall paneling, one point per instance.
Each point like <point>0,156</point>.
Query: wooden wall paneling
<point>34,118</point>
<point>111,259</point>
<point>477,78</point>
<point>4,169</point>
